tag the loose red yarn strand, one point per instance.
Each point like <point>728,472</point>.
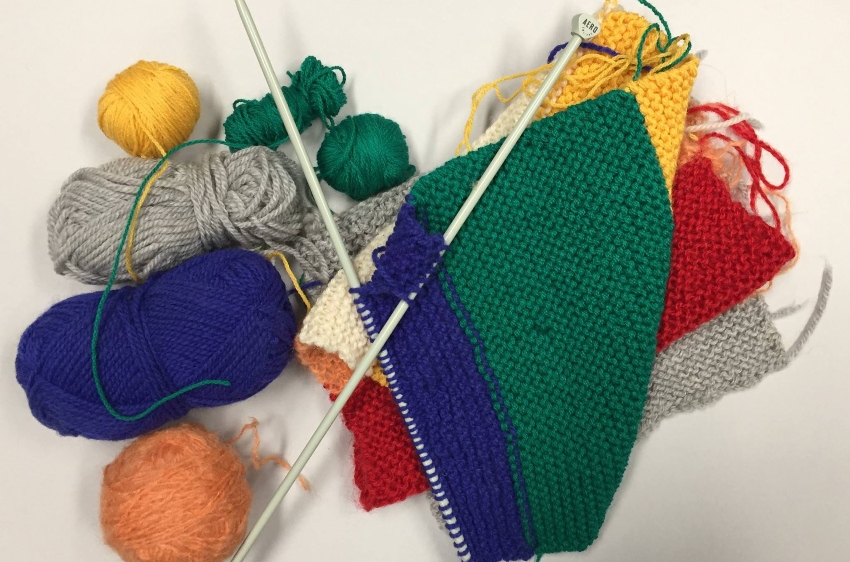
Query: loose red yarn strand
<point>753,162</point>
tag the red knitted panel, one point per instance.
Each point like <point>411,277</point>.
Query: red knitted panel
<point>386,468</point>
<point>721,253</point>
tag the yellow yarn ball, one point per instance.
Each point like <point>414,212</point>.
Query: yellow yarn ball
<point>149,108</point>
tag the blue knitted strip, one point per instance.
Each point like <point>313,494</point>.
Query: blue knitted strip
<point>508,428</point>
<point>457,435</point>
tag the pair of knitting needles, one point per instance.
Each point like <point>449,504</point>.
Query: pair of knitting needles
<point>584,28</point>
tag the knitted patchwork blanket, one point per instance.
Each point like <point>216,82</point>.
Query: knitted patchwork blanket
<point>525,461</point>
<point>728,353</point>
<point>523,394</point>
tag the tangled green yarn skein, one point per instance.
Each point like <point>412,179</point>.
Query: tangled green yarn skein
<point>315,93</point>
<point>365,154</point>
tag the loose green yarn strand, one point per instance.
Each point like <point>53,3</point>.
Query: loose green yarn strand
<point>111,282</point>
<point>659,15</point>
<point>661,48</point>
<point>678,59</point>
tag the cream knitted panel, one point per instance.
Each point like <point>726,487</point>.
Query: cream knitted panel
<point>333,324</point>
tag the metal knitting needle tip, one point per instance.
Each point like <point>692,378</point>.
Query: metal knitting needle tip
<point>584,27</point>
<point>297,143</point>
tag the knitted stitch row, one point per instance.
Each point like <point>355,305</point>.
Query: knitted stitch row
<point>730,353</point>
<point>721,253</point>
<point>699,288</point>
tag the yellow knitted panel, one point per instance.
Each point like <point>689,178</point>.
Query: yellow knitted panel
<point>620,31</point>
<point>663,100</point>
<point>591,75</point>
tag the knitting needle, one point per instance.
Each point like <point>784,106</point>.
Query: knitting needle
<point>584,28</point>
<point>297,143</point>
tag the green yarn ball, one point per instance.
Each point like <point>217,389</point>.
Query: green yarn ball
<point>315,93</point>
<point>364,155</point>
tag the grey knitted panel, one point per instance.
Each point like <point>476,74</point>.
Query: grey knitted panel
<point>357,225</point>
<point>732,352</point>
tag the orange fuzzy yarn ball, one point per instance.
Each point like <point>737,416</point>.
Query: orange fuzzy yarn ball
<point>176,495</point>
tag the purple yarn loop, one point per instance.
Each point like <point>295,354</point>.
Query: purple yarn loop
<point>405,265</point>
<point>585,45</point>
<point>590,47</point>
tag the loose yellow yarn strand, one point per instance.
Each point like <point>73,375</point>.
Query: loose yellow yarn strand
<point>147,109</point>
<point>478,96</point>
<point>131,236</point>
<point>294,279</point>
<point>608,6</point>
<point>593,82</point>
<point>128,261</point>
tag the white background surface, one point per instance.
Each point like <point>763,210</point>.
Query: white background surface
<point>762,476</point>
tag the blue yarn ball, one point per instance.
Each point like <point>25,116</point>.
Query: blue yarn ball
<point>223,315</point>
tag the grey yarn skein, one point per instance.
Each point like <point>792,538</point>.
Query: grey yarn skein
<point>254,198</point>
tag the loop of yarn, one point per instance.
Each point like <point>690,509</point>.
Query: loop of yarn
<point>258,462</point>
<point>760,187</point>
<point>736,152</point>
<point>315,93</point>
<point>681,45</point>
<point>222,316</point>
<point>149,108</point>
<point>405,262</point>
<point>364,155</point>
<point>254,198</point>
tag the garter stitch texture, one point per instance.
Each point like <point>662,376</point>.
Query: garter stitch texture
<point>340,331</point>
<point>386,467</point>
<point>357,226</point>
<point>254,198</point>
<point>721,253</point>
<point>607,231</point>
<point>732,352</point>
<point>332,330</point>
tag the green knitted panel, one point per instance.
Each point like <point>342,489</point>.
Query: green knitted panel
<point>562,267</point>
